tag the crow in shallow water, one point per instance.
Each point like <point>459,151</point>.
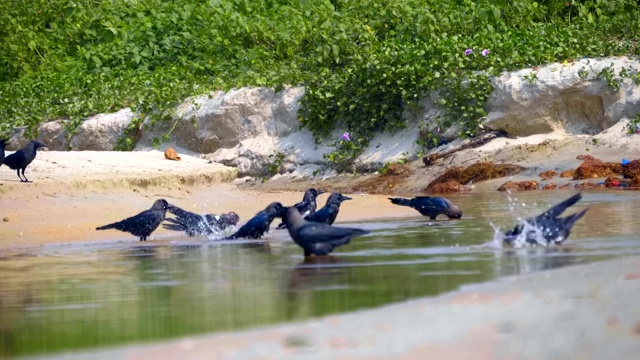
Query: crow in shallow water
<point>317,238</point>
<point>194,224</point>
<point>430,206</point>
<point>547,228</point>
<point>307,206</point>
<point>20,159</point>
<point>330,210</point>
<point>259,224</point>
<point>143,224</point>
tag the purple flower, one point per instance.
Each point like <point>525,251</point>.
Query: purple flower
<point>438,131</point>
<point>345,136</point>
<point>467,52</point>
<point>485,52</point>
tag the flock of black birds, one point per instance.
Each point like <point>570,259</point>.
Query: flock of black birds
<point>314,232</point>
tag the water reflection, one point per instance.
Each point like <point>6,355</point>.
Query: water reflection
<point>66,297</point>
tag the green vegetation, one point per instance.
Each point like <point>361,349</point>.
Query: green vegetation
<point>363,63</point>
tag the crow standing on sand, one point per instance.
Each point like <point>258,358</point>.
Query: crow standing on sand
<point>143,224</point>
<point>259,224</point>
<point>3,144</point>
<point>20,159</point>
<point>307,206</point>
<point>430,206</point>
<point>194,224</point>
<point>330,210</point>
<point>547,228</point>
<point>317,238</point>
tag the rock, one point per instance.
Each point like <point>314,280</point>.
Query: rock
<point>632,169</point>
<point>219,120</point>
<point>550,186</point>
<point>449,187</point>
<point>591,169</point>
<point>568,173</point>
<point>546,175</point>
<point>565,186</point>
<point>519,186</point>
<point>477,172</point>
<point>54,135</point>
<point>635,182</point>
<point>18,139</point>
<point>102,132</point>
<point>561,100</point>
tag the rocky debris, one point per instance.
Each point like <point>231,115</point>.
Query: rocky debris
<point>466,144</point>
<point>477,172</point>
<point>386,182</point>
<point>550,186</point>
<point>549,174</point>
<point>594,168</point>
<point>519,186</point>
<point>587,185</point>
<point>585,157</point>
<point>449,187</point>
<point>568,173</point>
<point>565,186</point>
<point>631,169</point>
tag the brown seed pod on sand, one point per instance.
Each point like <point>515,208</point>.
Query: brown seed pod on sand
<point>171,154</point>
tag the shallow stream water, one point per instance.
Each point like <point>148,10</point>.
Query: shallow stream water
<point>65,297</point>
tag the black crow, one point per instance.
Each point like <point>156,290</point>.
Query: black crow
<point>20,159</point>
<point>143,224</point>
<point>317,238</point>
<point>547,228</point>
<point>430,206</point>
<point>307,206</point>
<point>3,144</point>
<point>259,224</point>
<point>330,210</point>
<point>194,224</point>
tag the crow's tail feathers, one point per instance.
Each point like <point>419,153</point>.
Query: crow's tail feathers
<point>561,207</point>
<point>106,227</point>
<point>571,219</point>
<point>400,201</point>
<point>174,227</point>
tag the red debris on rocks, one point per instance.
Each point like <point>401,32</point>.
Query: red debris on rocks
<point>594,168</point>
<point>550,186</point>
<point>449,187</point>
<point>519,186</point>
<point>477,172</point>
<point>546,175</point>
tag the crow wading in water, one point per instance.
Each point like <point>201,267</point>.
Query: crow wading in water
<point>194,224</point>
<point>307,206</point>
<point>143,224</point>
<point>20,159</point>
<point>317,238</point>
<point>547,228</point>
<point>330,210</point>
<point>430,206</point>
<point>259,224</point>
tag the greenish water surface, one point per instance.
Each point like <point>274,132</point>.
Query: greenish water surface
<point>67,297</point>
